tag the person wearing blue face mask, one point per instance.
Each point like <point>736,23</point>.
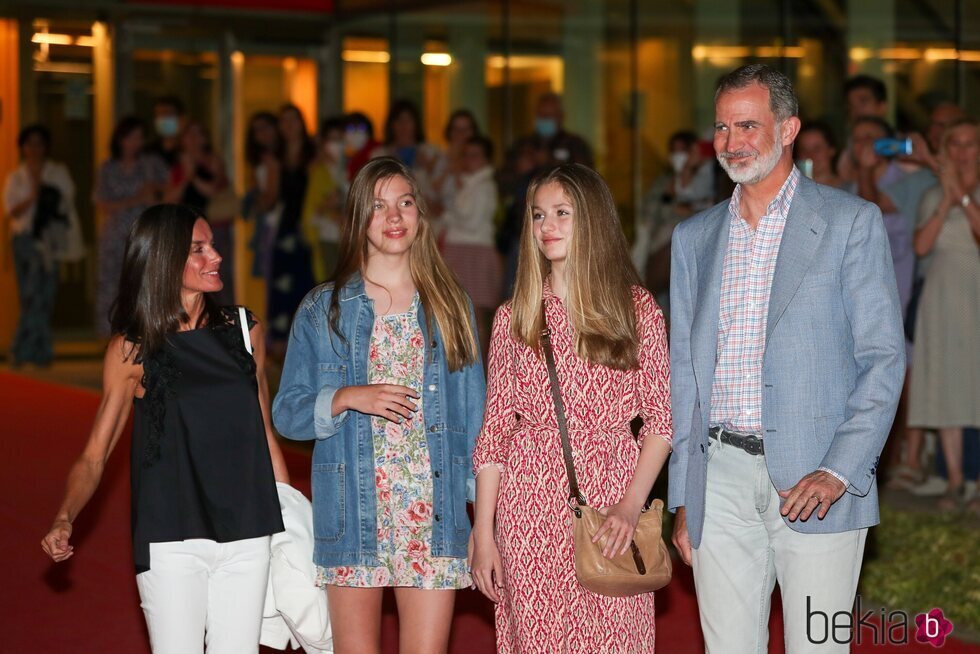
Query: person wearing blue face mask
<point>549,133</point>
<point>549,145</point>
<point>168,121</point>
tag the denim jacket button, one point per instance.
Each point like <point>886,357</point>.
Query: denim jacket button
<point>438,518</point>
<point>433,429</point>
<point>432,387</point>
<point>436,474</point>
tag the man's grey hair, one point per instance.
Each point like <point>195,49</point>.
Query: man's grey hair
<point>782,96</point>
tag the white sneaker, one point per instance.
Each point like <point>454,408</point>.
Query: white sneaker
<point>969,490</point>
<point>934,486</point>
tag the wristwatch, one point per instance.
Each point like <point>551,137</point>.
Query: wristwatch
<point>966,200</point>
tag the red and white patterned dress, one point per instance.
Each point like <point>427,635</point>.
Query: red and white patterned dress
<point>543,608</point>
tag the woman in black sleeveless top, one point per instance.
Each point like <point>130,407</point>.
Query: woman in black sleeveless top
<point>204,458</point>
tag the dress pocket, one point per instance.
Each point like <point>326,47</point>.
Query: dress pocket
<point>328,501</point>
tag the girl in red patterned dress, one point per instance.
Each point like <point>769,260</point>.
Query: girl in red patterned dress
<point>611,351</point>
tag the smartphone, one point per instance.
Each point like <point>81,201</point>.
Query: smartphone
<point>889,147</point>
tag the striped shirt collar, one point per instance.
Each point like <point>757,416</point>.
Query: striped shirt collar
<point>779,205</point>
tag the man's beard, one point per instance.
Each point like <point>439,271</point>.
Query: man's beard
<point>754,170</point>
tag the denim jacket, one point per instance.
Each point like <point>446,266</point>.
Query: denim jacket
<point>318,363</point>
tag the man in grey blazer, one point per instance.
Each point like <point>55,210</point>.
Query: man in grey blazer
<point>787,359</point>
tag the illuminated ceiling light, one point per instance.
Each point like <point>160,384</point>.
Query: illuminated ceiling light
<point>63,67</point>
<point>700,52</point>
<point>900,53</point>
<point>366,56</point>
<point>939,54</point>
<point>85,41</point>
<point>859,54</point>
<point>969,55</point>
<point>437,59</point>
<point>237,58</point>
<point>777,52</point>
<point>52,39</point>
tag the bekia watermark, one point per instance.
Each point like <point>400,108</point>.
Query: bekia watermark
<point>880,627</point>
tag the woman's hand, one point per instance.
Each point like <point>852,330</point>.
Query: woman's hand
<point>618,527</point>
<point>485,565</point>
<point>55,544</point>
<point>388,401</point>
<point>950,182</point>
<point>865,156</point>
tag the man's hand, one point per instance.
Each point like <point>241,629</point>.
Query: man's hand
<point>819,488</point>
<point>680,538</point>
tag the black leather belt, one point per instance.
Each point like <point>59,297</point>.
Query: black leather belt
<point>748,442</point>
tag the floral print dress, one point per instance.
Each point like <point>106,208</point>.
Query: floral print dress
<point>403,475</point>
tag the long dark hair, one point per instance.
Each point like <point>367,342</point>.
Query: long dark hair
<point>148,305</point>
<point>398,108</point>
<point>307,146</point>
<point>126,126</point>
<point>253,149</point>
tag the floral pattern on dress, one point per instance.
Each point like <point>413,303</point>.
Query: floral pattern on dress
<point>403,475</point>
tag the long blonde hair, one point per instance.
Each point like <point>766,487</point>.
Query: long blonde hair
<point>598,271</point>
<point>443,299</point>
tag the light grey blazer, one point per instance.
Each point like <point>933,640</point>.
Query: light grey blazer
<point>834,360</point>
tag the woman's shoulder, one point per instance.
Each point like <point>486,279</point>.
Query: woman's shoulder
<point>504,311</point>
<point>642,296</point>
<point>17,175</point>
<point>317,301</point>
<point>56,172</point>
<point>122,357</point>
<point>646,306</point>
<point>229,315</point>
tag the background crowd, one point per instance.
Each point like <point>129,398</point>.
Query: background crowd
<point>926,187</point>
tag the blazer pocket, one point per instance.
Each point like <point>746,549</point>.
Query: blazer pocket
<point>328,501</point>
<point>825,427</point>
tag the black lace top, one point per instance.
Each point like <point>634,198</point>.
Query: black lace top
<point>200,461</point>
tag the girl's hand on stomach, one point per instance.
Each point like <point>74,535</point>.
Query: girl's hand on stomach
<point>388,401</point>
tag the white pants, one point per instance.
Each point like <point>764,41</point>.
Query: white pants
<point>201,592</point>
<point>746,547</point>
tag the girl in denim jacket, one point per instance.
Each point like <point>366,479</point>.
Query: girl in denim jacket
<point>383,370</point>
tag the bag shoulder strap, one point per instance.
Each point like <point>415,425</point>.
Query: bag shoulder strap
<point>574,494</point>
<point>243,321</point>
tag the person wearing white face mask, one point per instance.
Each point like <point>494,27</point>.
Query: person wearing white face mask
<point>324,202</point>
<point>688,187</point>
<point>359,142</point>
<point>168,121</point>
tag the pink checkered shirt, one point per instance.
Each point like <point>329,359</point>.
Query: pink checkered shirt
<point>736,394</point>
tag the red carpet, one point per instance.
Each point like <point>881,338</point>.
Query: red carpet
<point>90,604</point>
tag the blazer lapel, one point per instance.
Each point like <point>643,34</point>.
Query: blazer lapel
<point>704,333</point>
<point>802,234</point>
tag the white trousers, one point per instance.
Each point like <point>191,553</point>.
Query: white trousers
<point>199,592</point>
<point>746,548</point>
